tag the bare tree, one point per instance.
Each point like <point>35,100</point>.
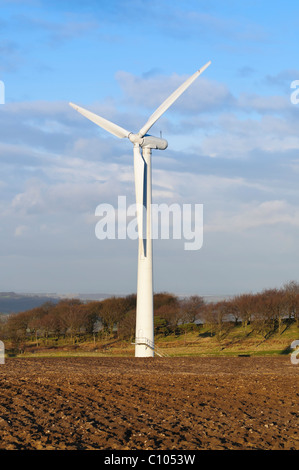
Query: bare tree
<point>71,317</point>
<point>17,328</point>
<point>191,308</point>
<point>291,298</point>
<point>126,329</point>
<point>245,304</point>
<point>112,311</point>
<point>270,310</point>
<point>215,316</point>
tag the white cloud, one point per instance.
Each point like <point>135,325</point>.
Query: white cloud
<point>204,94</point>
<point>238,138</point>
<point>21,230</point>
<point>254,215</point>
<point>252,102</point>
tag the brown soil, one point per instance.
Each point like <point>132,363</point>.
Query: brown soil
<point>160,403</point>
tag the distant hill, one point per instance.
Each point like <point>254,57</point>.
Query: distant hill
<point>10,302</point>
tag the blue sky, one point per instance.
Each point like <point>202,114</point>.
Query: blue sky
<point>233,141</point>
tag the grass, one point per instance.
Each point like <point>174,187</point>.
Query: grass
<point>235,341</point>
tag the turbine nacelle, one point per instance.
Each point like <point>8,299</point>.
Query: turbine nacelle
<point>148,141</point>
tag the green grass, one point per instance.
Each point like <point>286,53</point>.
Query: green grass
<point>234,342</point>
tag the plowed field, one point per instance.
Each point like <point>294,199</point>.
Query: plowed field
<point>160,403</point>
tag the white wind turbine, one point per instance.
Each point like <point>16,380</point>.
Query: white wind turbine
<point>144,337</point>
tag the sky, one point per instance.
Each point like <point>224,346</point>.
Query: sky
<point>233,141</point>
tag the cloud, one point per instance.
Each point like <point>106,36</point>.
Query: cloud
<point>184,21</point>
<point>252,102</point>
<point>283,79</point>
<point>11,57</point>
<point>68,27</point>
<point>253,215</point>
<point>241,138</point>
<point>150,91</point>
<point>20,230</point>
<point>245,71</point>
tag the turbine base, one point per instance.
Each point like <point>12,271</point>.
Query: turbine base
<point>144,347</point>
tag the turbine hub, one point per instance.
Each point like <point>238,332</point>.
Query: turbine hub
<point>135,138</point>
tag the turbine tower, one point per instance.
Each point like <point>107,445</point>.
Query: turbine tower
<point>144,335</point>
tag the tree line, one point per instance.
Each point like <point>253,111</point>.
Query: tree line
<point>265,312</point>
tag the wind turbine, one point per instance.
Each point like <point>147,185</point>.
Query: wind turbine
<point>144,337</point>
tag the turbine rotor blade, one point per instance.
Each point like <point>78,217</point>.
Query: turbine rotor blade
<point>104,123</point>
<point>170,100</point>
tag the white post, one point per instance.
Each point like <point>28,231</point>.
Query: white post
<point>144,338</point>
<point>2,353</point>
